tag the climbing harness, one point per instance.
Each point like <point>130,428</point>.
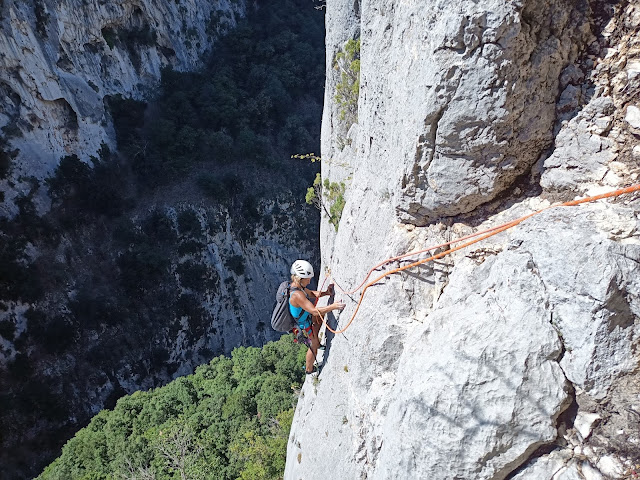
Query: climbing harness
<point>472,238</point>
<point>302,331</point>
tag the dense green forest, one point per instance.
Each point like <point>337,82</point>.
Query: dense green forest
<point>119,269</point>
<point>229,420</point>
<point>260,96</point>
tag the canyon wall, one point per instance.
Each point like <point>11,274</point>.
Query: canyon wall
<point>60,59</point>
<point>170,270</point>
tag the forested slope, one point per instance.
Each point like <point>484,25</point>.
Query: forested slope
<point>228,420</point>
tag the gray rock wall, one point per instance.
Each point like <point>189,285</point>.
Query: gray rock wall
<point>515,357</point>
<point>61,58</point>
<point>474,85</point>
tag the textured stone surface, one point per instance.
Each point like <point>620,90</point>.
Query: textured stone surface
<point>611,467</point>
<point>633,116</point>
<point>60,59</point>
<point>492,359</point>
<point>579,155</point>
<point>475,386</point>
<point>473,87</point>
<point>476,365</point>
<point>553,467</point>
<point>594,307</point>
<point>596,114</point>
<point>584,422</point>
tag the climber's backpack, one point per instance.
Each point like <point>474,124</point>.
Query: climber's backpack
<point>281,318</point>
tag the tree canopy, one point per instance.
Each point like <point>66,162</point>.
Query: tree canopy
<point>229,420</point>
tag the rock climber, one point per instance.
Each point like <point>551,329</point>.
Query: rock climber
<point>308,316</point>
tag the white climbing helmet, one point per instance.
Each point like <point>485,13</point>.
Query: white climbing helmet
<point>302,268</point>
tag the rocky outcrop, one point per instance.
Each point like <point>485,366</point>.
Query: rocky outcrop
<point>476,95</point>
<point>61,59</point>
<point>597,134</point>
<point>515,357</point>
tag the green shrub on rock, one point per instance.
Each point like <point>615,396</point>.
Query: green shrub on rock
<point>347,62</point>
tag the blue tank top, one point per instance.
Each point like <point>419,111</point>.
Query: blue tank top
<point>302,319</point>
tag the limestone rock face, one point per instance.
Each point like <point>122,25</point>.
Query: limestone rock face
<point>60,59</point>
<point>474,86</point>
<point>596,114</point>
<point>476,365</point>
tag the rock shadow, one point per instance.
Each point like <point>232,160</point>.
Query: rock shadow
<point>332,322</point>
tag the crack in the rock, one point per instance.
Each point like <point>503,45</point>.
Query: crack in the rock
<point>482,44</point>
<point>563,349</point>
<point>433,134</point>
<point>567,412</point>
<point>627,257</point>
<point>445,48</point>
<point>563,422</point>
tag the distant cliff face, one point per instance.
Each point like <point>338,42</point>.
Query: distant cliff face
<point>124,267</point>
<point>60,59</point>
<point>516,357</point>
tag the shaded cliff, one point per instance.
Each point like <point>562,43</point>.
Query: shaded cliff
<point>133,257</point>
<point>516,357</point>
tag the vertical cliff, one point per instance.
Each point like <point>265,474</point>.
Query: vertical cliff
<point>60,59</point>
<point>516,357</point>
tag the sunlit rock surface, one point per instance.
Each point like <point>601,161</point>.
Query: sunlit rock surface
<point>476,366</point>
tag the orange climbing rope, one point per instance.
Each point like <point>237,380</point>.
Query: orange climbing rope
<point>477,237</point>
